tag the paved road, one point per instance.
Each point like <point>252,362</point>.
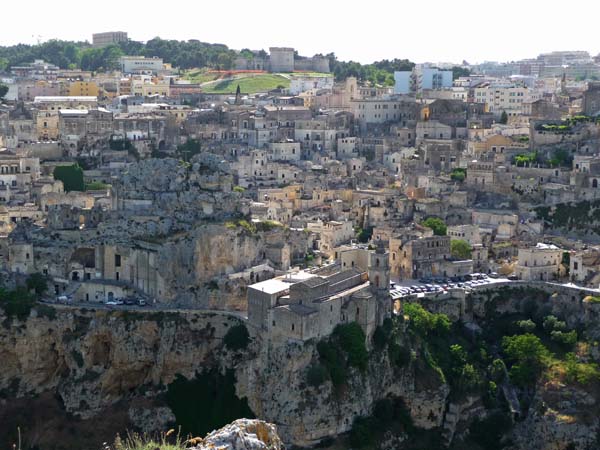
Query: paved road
<point>146,309</point>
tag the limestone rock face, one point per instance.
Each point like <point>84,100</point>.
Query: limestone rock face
<point>561,417</point>
<point>243,434</point>
<point>277,391</point>
<point>95,358</point>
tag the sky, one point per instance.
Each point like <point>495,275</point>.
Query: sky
<point>419,30</point>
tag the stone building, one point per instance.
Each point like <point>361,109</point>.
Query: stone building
<point>419,256</point>
<point>591,99</point>
<point>539,263</point>
<point>281,59</point>
<point>302,305</point>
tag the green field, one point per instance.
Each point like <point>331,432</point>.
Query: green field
<point>249,84</point>
<point>201,76</point>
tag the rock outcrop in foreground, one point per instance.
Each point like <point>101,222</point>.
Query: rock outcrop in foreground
<point>243,434</point>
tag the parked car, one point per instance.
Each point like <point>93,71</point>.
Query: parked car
<point>141,302</point>
<point>513,277</point>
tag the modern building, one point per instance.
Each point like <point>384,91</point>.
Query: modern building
<point>421,78</point>
<point>140,64</point>
<point>108,38</point>
<point>505,97</point>
<point>402,82</point>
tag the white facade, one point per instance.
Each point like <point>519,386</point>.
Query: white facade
<point>509,98</point>
<point>306,83</point>
<point>133,64</point>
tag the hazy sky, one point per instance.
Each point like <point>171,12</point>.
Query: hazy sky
<point>365,31</point>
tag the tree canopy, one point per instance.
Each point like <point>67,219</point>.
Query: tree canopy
<point>3,90</point>
<point>460,249</point>
<point>70,55</point>
<point>436,224</point>
<point>379,72</point>
<point>71,176</point>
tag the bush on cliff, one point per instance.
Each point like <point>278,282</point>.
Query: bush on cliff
<point>352,339</point>
<point>207,402</point>
<point>345,348</point>
<point>316,375</point>
<point>528,356</point>
<point>16,303</point>
<point>237,338</point>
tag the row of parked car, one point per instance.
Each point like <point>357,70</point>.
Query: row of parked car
<point>130,301</point>
<point>438,284</point>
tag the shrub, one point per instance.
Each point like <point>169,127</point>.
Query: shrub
<point>46,311</point>
<point>238,189</point>
<point>498,370</point>
<point>581,373</point>
<point>352,340</point>
<point>37,282</point>
<point>458,174</point>
<point>528,355</point>
<point>565,338</point>
<point>552,323</point>
<point>526,326</point>
<point>362,434</point>
<point>399,355</point>
<point>333,361</point>
<point>237,337</point>
<point>437,225</point>
<point>96,186</point>
<point>460,249</point>
<point>17,303</point>
<point>316,375</point>
<point>488,432</point>
<point>423,323</point>
<point>71,176</point>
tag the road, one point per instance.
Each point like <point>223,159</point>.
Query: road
<point>145,309</point>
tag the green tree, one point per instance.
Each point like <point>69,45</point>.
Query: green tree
<point>458,174</point>
<point>237,337</point>
<point>504,118</point>
<point>3,90</point>
<point>436,224</point>
<point>37,282</point>
<point>423,323</point>
<point>528,356</point>
<point>71,176</point>
<point>460,249</point>
<point>188,150</point>
<point>352,340</point>
<point>527,326</point>
<point>458,72</point>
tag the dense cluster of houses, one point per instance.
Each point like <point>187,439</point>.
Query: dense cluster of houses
<point>330,164</point>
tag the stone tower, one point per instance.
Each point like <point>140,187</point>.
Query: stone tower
<point>379,269</point>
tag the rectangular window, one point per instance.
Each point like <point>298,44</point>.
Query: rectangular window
<point>117,260</point>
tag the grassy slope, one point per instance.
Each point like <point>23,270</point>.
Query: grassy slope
<point>250,84</point>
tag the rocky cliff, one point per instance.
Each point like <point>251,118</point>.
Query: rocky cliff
<point>88,364</point>
<point>243,435</point>
<point>82,376</point>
